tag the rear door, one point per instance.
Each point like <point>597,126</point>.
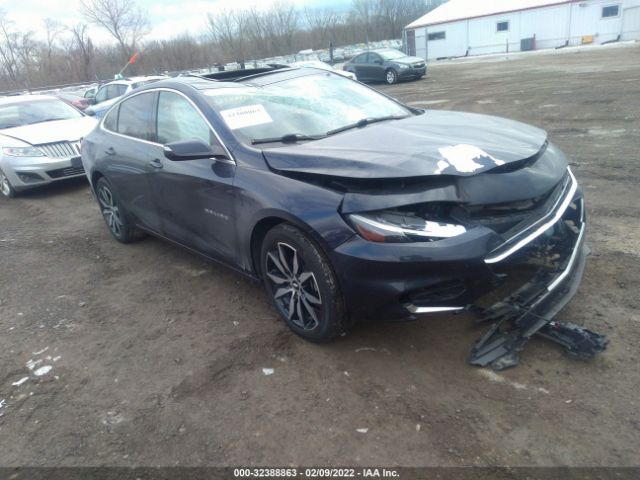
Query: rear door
<point>195,197</point>
<point>130,154</point>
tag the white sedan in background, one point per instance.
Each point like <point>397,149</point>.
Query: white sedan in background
<point>322,66</point>
<point>39,141</point>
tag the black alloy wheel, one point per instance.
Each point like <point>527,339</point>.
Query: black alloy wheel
<point>302,285</point>
<point>114,215</point>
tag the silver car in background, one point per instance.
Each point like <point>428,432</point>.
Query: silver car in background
<point>39,141</point>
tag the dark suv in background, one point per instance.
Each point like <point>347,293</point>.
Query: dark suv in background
<point>387,65</point>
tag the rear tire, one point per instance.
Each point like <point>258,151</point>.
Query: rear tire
<point>391,76</point>
<point>116,218</point>
<point>6,188</point>
<point>301,284</point>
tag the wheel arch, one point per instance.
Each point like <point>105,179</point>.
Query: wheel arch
<point>267,222</point>
<point>95,176</point>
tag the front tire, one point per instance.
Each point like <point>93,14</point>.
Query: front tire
<point>6,188</point>
<point>114,215</point>
<point>391,76</point>
<point>301,284</point>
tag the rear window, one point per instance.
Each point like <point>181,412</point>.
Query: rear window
<point>111,120</point>
<point>135,118</point>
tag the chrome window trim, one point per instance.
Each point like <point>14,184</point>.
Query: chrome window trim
<point>171,90</point>
<point>542,228</point>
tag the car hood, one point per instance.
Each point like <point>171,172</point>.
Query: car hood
<point>434,143</point>
<point>55,131</point>
<point>408,60</point>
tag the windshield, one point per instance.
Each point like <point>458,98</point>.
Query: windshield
<point>312,106</point>
<point>26,113</point>
<point>391,54</point>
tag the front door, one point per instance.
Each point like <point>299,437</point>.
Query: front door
<point>375,67</point>
<point>195,197</point>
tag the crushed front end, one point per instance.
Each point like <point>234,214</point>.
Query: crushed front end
<point>516,263</point>
<point>550,256</point>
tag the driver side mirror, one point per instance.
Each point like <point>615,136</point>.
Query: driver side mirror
<point>193,150</point>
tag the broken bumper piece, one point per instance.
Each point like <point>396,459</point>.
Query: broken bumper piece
<point>530,310</point>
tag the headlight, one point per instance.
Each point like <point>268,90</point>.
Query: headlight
<point>22,151</point>
<point>399,227</point>
<point>402,67</point>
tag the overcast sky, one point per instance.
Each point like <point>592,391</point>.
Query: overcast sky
<point>167,17</point>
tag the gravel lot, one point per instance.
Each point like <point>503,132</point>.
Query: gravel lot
<point>157,356</point>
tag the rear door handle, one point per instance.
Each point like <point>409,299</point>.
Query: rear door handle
<point>156,163</point>
<point>110,151</point>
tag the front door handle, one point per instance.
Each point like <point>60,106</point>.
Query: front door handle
<point>156,163</point>
<point>110,151</point>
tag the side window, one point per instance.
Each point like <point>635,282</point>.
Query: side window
<point>179,120</point>
<point>502,27</point>
<point>111,121</point>
<point>120,90</point>
<point>375,58</point>
<point>116,90</point>
<point>362,58</point>
<point>437,36</point>
<point>101,95</point>
<point>136,116</point>
<point>611,11</point>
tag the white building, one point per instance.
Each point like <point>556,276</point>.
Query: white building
<point>475,27</point>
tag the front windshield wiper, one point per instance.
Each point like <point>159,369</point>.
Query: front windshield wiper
<point>289,137</point>
<point>363,122</point>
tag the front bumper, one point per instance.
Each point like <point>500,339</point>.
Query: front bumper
<point>412,72</point>
<point>29,172</point>
<point>402,281</point>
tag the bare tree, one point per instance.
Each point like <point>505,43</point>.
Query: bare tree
<point>321,24</point>
<point>285,24</point>
<point>228,28</point>
<point>53,31</point>
<point>83,46</point>
<point>8,49</point>
<point>231,35</point>
<point>123,19</point>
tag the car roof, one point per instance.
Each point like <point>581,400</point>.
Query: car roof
<point>132,80</point>
<point>25,98</point>
<point>265,77</point>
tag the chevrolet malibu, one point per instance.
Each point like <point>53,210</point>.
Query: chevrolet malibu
<point>40,141</point>
<point>345,203</point>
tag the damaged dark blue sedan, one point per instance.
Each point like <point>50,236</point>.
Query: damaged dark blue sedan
<point>349,205</point>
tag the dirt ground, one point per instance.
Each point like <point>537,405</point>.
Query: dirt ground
<point>157,356</point>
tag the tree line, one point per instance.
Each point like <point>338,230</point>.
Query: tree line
<point>64,54</point>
